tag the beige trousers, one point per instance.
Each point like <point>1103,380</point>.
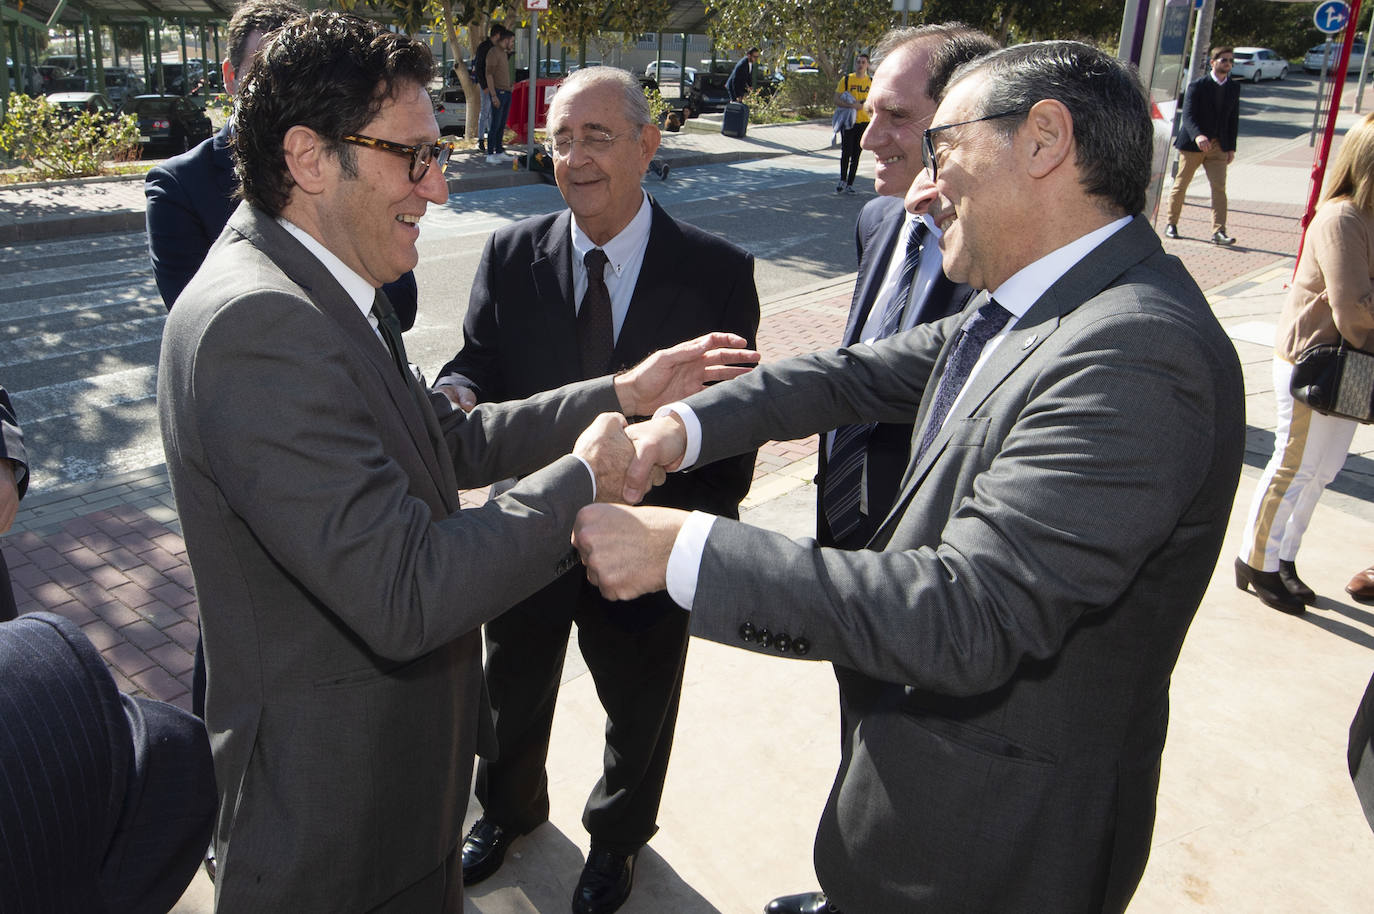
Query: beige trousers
<point>1214,163</point>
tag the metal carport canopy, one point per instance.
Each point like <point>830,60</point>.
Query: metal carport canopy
<point>117,11</point>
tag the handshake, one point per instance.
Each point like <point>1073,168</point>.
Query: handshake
<point>627,460</point>
<point>625,550</point>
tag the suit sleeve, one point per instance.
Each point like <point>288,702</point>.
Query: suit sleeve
<point>328,498</point>
<point>12,443</point>
<point>178,239</point>
<point>1117,427</point>
<point>477,364</point>
<point>719,487</point>
<point>1190,130</point>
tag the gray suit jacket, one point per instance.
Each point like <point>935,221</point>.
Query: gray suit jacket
<point>340,588</point>
<point>1015,620</point>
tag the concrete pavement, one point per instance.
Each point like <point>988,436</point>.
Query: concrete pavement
<point>1256,812</point>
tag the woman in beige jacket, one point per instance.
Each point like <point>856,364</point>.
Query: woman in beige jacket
<point>1332,298</point>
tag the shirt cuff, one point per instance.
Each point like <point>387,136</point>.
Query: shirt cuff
<point>584,462</point>
<point>684,562</point>
<point>691,426</point>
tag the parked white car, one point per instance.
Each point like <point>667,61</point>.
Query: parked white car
<point>669,72</point>
<point>1312,62</point>
<point>1255,64</point>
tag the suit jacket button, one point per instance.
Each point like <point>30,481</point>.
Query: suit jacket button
<point>782,642</point>
<point>801,647</point>
<point>746,631</point>
<point>765,638</point>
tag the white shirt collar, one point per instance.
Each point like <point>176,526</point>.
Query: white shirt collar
<point>360,290</point>
<point>1027,284</point>
<point>623,246</point>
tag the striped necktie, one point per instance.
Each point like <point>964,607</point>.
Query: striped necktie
<point>841,495</point>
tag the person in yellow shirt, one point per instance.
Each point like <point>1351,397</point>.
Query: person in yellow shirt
<point>850,93</point>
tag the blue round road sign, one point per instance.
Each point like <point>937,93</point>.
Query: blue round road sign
<point>1331,16</point>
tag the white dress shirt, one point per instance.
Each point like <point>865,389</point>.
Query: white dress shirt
<point>625,254</point>
<point>1017,295</point>
<point>363,293</point>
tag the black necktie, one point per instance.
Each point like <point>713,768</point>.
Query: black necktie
<point>841,495</point>
<point>595,326</point>
<point>390,328</point>
<point>983,326</point>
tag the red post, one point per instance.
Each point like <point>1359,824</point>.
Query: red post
<point>1324,148</point>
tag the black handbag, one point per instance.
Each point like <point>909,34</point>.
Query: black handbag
<point>1335,380</point>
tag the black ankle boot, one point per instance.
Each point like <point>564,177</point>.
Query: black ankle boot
<point>1269,588</point>
<point>1288,574</point>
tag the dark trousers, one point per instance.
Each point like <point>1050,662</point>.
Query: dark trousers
<point>849,151</point>
<point>638,676</point>
<point>499,112</point>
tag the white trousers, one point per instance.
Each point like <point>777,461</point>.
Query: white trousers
<point>1309,450</point>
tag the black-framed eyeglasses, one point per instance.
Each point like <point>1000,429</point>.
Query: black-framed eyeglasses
<point>593,144</point>
<point>421,155</point>
<point>928,137</point>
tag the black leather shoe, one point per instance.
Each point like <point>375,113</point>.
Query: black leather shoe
<point>1288,574</point>
<point>1269,588</point>
<point>1170,231</point>
<point>1222,238</point>
<point>484,850</point>
<point>605,883</point>
<point>805,903</point>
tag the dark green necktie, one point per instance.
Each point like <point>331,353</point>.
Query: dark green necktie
<point>390,328</point>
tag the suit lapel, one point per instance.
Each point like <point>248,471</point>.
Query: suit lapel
<point>304,269</point>
<point>1090,276</point>
<point>653,300</point>
<point>551,274</point>
<point>878,255</point>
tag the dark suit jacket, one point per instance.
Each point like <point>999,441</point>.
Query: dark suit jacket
<point>520,338</point>
<point>106,801</point>
<point>341,590</point>
<point>1017,616</point>
<point>1360,752</point>
<point>1212,111</point>
<point>11,448</point>
<point>190,197</point>
<point>876,235</point>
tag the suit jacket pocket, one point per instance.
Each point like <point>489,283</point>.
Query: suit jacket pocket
<point>968,432</point>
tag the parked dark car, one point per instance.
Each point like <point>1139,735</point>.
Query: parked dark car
<point>122,83</point>
<point>182,79</point>
<point>168,124</point>
<point>707,93</point>
<point>52,75</point>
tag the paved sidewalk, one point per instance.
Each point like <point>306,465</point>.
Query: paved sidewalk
<point>1256,813</point>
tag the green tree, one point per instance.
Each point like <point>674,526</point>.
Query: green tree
<point>58,143</point>
<point>829,30</point>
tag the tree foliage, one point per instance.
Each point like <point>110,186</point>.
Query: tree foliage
<point>58,143</point>
<point>829,30</point>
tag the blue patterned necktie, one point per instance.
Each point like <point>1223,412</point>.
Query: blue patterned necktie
<point>841,495</point>
<point>983,326</point>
